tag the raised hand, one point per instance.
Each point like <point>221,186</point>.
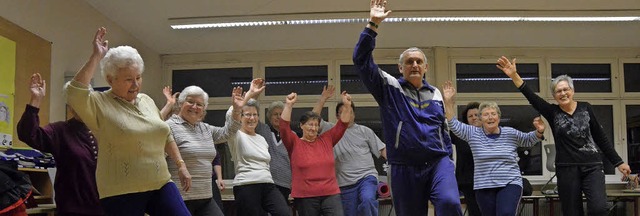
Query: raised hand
<point>378,13</point>
<point>448,92</point>
<point>171,99</point>
<point>100,44</point>
<point>256,88</point>
<point>38,89</point>
<point>507,66</point>
<point>346,99</point>
<point>291,98</point>
<point>236,98</point>
<point>538,123</point>
<point>328,92</point>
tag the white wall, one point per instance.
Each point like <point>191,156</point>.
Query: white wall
<point>70,26</point>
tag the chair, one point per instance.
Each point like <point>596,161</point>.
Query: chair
<point>550,151</point>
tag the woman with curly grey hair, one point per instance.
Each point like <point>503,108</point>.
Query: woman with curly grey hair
<point>131,175</point>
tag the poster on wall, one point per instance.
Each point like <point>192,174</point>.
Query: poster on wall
<point>7,89</point>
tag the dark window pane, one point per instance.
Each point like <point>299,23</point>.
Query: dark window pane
<point>633,137</point>
<point>304,80</point>
<point>217,118</point>
<point>521,117</point>
<point>477,77</point>
<point>604,115</point>
<point>217,82</point>
<point>350,81</point>
<point>586,77</point>
<point>632,77</point>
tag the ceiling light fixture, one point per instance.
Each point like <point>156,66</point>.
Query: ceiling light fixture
<point>402,19</point>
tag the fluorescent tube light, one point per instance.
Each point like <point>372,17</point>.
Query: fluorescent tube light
<point>402,19</point>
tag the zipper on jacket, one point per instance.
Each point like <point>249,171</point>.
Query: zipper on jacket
<point>441,138</point>
<point>398,134</point>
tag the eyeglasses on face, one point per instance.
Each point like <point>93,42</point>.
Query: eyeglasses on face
<point>250,115</point>
<point>560,91</point>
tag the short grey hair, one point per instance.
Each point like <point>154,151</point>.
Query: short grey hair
<point>193,91</point>
<point>560,78</point>
<point>252,103</point>
<point>274,105</point>
<point>490,104</point>
<point>118,58</point>
<point>411,49</point>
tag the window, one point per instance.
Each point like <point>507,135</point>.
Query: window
<point>304,80</point>
<point>633,137</point>
<point>350,81</point>
<point>217,82</point>
<point>631,77</point>
<point>586,77</point>
<point>604,115</point>
<point>483,77</point>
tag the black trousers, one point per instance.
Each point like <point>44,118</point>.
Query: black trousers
<point>323,205</point>
<point>255,199</point>
<point>575,180</point>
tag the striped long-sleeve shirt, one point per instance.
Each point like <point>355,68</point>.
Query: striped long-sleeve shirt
<point>495,157</point>
<point>196,144</point>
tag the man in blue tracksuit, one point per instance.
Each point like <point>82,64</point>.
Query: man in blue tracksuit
<point>414,127</point>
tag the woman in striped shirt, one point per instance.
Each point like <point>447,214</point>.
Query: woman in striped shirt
<point>498,183</point>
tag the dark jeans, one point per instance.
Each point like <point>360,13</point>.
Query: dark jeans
<point>575,180</point>
<point>502,201</point>
<point>203,207</point>
<point>470,199</point>
<point>255,199</point>
<point>323,205</point>
<point>164,201</point>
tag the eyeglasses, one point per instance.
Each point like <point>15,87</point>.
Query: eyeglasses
<point>312,125</point>
<point>486,115</point>
<point>250,115</point>
<point>191,103</point>
<point>560,91</point>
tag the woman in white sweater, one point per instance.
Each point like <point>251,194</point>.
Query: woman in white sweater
<point>254,190</point>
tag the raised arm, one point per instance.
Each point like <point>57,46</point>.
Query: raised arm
<point>288,106</point>
<point>238,102</point>
<point>287,136</point>
<point>256,88</point>
<point>167,110</point>
<point>28,128</point>
<point>100,48</point>
<point>347,112</point>
<point>449,93</point>
<point>510,70</point>
<point>327,92</point>
<point>377,14</point>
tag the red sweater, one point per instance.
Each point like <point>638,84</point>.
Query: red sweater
<point>313,171</point>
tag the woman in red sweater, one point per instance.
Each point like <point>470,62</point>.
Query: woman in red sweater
<point>313,175</point>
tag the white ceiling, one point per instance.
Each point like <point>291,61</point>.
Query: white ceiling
<point>148,20</point>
